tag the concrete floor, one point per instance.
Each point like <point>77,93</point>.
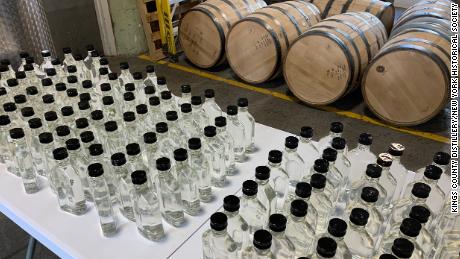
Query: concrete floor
<point>271,111</point>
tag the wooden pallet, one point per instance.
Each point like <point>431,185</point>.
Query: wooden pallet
<point>149,16</point>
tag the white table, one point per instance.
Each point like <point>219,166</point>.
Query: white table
<point>71,236</point>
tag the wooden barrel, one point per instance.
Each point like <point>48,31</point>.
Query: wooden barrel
<point>203,29</point>
<point>424,23</point>
<point>257,44</point>
<point>385,11</point>
<point>434,9</point>
<point>327,61</point>
<point>408,81</point>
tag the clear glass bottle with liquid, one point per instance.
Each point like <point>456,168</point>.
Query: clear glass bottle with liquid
<point>149,91</point>
<point>236,131</point>
<point>426,239</point>
<point>13,87</point>
<point>227,140</point>
<point>87,138</point>
<point>165,143</point>
<point>298,230</point>
<point>146,208</point>
<point>167,102</point>
<point>368,199</point>
<point>397,169</point>
<point>320,201</point>
<point>24,161</point>
<point>135,158</point>
<point>124,184</point>
<point>96,155</point>
<point>168,190</point>
<point>321,166</point>
<point>237,228</point>
<point>130,127</point>
<point>215,154</point>
<point>150,153</point>
<point>335,130</point>
<point>33,95</point>
<point>151,79</point>
<point>188,180</point>
<point>198,113</point>
<point>342,164</point>
<point>6,155</point>
<point>267,194</point>
<point>68,117</point>
<point>68,57</point>
<point>46,64</point>
<point>210,106</point>
<point>113,141</point>
<point>161,84</point>
<point>336,230</point>
<point>248,122</point>
<point>199,164</point>
<point>334,176</point>
<point>20,100</point>
<point>129,101</point>
<point>189,126</point>
<point>47,86</point>
<point>154,107</point>
<point>62,134</point>
<point>371,179</point>
<point>102,201</point>
<point>175,130</point>
<point>261,246</point>
<point>358,240</point>
<point>36,128</point>
<point>252,209</point>
<point>10,109</point>
<point>79,162</point>
<point>282,247</point>
<point>186,95</point>
<point>360,157</point>
<point>307,148</point>
<point>139,85</point>
<point>84,109</point>
<point>326,247</point>
<point>387,181</point>
<point>293,162</point>
<point>61,93</point>
<point>410,230</point>
<point>217,243</point>
<point>71,197</point>
<point>279,178</point>
<point>303,192</point>
<point>125,75</point>
<point>46,151</point>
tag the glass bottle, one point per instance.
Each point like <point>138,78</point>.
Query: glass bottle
<point>227,140</point>
<point>72,97</point>
<point>402,248</point>
<point>215,155</point>
<point>189,126</point>
<point>22,55</point>
<point>7,70</point>
<point>114,141</point>
<point>210,106</point>
<point>217,243</point>
<point>150,154</point>
<point>62,134</point>
<point>10,109</point>
<point>87,138</point>
<point>46,151</point>
<point>103,77</point>
<point>236,131</point>
<point>89,59</point>
<point>360,157</point>
<point>79,162</point>
<point>83,72</point>
<point>154,107</point>
<point>124,185</point>
<point>267,194</point>
<point>237,228</point>
<point>46,55</point>
<point>67,116</point>
<point>96,155</point>
<point>302,192</point>
<point>68,57</point>
<point>125,75</point>
<point>261,248</point>
<point>71,197</point>
<point>335,130</point>
<point>24,161</point>
<point>57,66</point>
<point>279,178</point>
<point>130,127</point>
<point>175,130</point>
<point>199,164</point>
<point>409,229</point>
<point>161,84</point>
<point>36,128</point>
<point>387,181</point>
<point>101,195</point>
<point>198,113</point>
<point>358,240</point>
<point>13,87</point>
<point>146,208</point>
<point>252,209</point>
<point>165,143</point>
<point>320,201</point>
<point>336,230</point>
<point>168,190</point>
<point>293,162</point>
<point>4,95</point>
<point>426,239</point>
<point>135,158</point>
<point>149,91</point>
<point>61,93</point>
<point>130,87</point>
<point>47,86</point>
<point>431,177</point>
<point>282,247</point>
<point>402,207</point>
<point>6,155</point>
<point>326,247</point>
<point>167,102</point>
<point>368,199</point>
<point>341,163</point>
<point>298,230</point>
<point>397,169</point>
<point>116,87</point>
<point>186,94</point>
<point>188,180</point>
<point>139,86</point>
<point>33,95</point>
<point>333,175</point>
<point>129,101</point>
<point>248,122</point>
<point>20,100</point>
<point>151,79</point>
<point>307,148</point>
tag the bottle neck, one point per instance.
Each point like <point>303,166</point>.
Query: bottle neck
<point>362,147</point>
<point>141,187</point>
<point>152,74</point>
<point>274,165</point>
<point>262,251</point>
<point>429,181</point>
<point>220,129</point>
<point>231,214</point>
<point>297,219</point>
<point>219,233</point>
<point>412,239</point>
<point>443,167</point>
<point>249,197</point>
<point>334,135</point>
<point>371,179</point>
<point>181,164</point>
<point>195,152</point>
<point>261,182</point>
<point>290,150</point>
<point>417,200</point>
<point>277,234</point>
<point>242,109</point>
<point>305,140</point>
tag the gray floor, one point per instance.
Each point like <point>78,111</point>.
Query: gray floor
<point>268,110</point>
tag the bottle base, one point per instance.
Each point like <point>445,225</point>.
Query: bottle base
<point>128,213</point>
<point>205,194</point>
<point>175,218</point>
<point>31,187</point>
<point>191,208</point>
<point>109,229</point>
<point>153,233</point>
